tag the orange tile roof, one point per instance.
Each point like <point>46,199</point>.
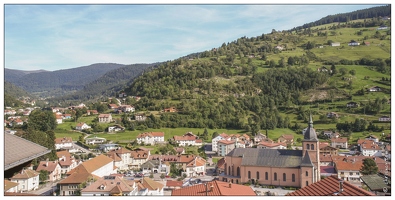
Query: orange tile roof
<point>151,184</point>
<point>348,165</point>
<point>112,184</point>
<point>330,187</point>
<point>186,158</point>
<point>218,188</point>
<point>340,140</point>
<point>151,134</point>
<point>221,163</point>
<point>325,158</point>
<point>65,158</point>
<point>63,140</point>
<point>78,175</point>
<point>139,154</point>
<point>49,166</point>
<point>271,144</point>
<point>25,174</point>
<point>96,162</point>
<point>9,184</point>
<point>171,183</point>
<point>184,138</point>
<point>227,142</point>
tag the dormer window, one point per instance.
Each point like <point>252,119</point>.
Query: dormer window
<point>102,187</point>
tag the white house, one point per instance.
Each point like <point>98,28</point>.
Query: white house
<point>335,44</point>
<point>384,119</point>
<point>27,179</point>
<point>67,162</point>
<point>215,140</point>
<point>105,118</point>
<point>122,157</point>
<point>95,140</point>
<point>82,126</point>
<point>187,140</point>
<point>196,167</point>
<point>375,89</point>
<point>339,143</point>
<point>63,143</point>
<point>10,186</point>
<point>369,148</point>
<point>127,108</point>
<point>59,119</point>
<point>151,138</point>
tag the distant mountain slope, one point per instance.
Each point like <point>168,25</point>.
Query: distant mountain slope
<point>15,91</point>
<point>108,84</point>
<point>14,74</point>
<point>51,83</point>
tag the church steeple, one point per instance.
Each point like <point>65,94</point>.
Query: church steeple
<point>310,132</point>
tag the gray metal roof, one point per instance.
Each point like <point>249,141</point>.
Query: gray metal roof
<point>18,151</point>
<point>268,157</point>
<point>306,161</point>
<point>310,133</point>
<point>374,182</point>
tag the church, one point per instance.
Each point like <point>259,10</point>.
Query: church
<point>276,167</point>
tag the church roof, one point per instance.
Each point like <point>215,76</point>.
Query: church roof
<point>310,133</point>
<point>268,157</point>
<point>306,161</point>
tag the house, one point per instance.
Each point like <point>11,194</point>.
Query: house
<point>332,115</point>
<point>94,168</point>
<point>347,168</point>
<point>105,118</point>
<point>9,112</point>
<point>111,186</point>
<point>16,122</point>
<point>66,161</point>
<point>139,156</point>
<point>327,171</point>
<point>215,188</point>
<point>382,27</point>
<point>113,106</point>
<point>140,117</point>
<point>225,146</point>
<point>287,139</point>
<point>171,109</point>
<point>10,186</point>
<point>59,119</point>
<point>179,150</point>
<point>215,140</point>
<point>327,134</point>
<point>259,137</point>
<point>27,179</point>
<point>95,140</point>
<point>52,167</point>
<point>326,160</point>
<point>278,47</point>
<point>121,156</point>
<point>121,95</point>
<point>63,143</point>
<point>151,138</point>
<point>127,108</point>
<point>369,148</point>
<point>108,147</point>
<point>66,116</point>
<point>188,139</point>
<point>335,44</point>
<point>195,167</point>
<point>384,119</point>
<point>331,186</point>
<point>220,167</point>
<point>352,104</point>
<point>340,143</point>
<point>152,167</point>
<point>92,112</point>
<point>82,126</point>
<point>375,89</point>
<point>271,145</point>
<point>115,128</point>
<point>149,187</point>
<point>26,112</point>
<point>326,149</point>
<point>273,166</point>
<point>353,43</point>
<point>324,69</point>
<point>372,137</point>
<point>172,185</point>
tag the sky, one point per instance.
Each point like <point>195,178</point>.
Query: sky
<point>63,36</point>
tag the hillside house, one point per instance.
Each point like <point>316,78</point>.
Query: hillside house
<point>375,89</point>
<point>382,27</point>
<point>187,140</point>
<point>127,108</point>
<point>369,148</point>
<point>335,44</point>
<point>82,126</point>
<point>259,137</point>
<point>332,115</point>
<point>340,143</point>
<point>105,118</point>
<point>115,128</point>
<point>352,104</point>
<point>95,140</point>
<point>9,112</point>
<point>149,187</point>
<point>171,109</point>
<point>140,117</point>
<point>286,138</point>
<point>353,43</point>
<point>384,119</point>
<point>92,112</point>
<point>372,138</point>
<point>66,116</point>
<point>59,119</point>
<point>151,138</point>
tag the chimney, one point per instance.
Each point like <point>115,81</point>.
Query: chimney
<point>230,184</point>
<point>341,186</point>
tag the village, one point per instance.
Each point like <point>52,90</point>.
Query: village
<point>259,163</point>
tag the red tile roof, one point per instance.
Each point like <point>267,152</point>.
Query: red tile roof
<point>215,188</point>
<point>339,140</point>
<point>49,166</point>
<point>25,174</point>
<point>330,187</point>
<point>151,134</point>
<point>170,183</point>
<point>227,142</point>
<point>63,140</point>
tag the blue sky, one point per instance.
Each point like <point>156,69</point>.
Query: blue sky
<point>54,37</point>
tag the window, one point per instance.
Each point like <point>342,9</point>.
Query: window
<point>249,174</point>
<point>284,177</point>
<point>312,146</point>
<point>307,173</point>
<point>293,177</point>
<point>357,173</point>
<point>308,146</point>
<point>266,176</point>
<point>342,173</point>
<point>233,171</point>
<point>257,175</point>
<point>229,170</point>
<point>307,183</point>
<point>275,176</point>
<point>238,171</point>
<point>351,173</point>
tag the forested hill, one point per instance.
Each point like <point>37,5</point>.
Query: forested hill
<point>107,85</point>
<point>12,93</point>
<point>50,83</point>
<point>254,81</point>
<point>375,12</point>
